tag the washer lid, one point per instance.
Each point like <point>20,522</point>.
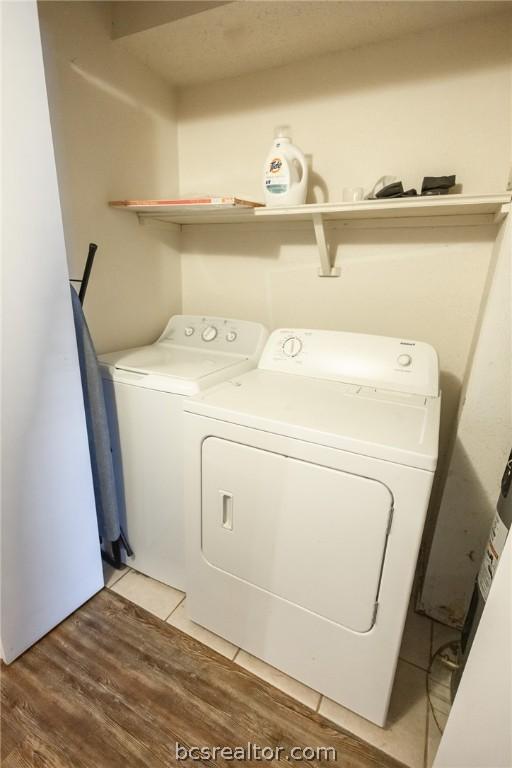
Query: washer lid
<point>398,427</point>
<point>168,367</point>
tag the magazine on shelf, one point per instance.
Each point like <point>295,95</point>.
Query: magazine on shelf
<point>204,202</point>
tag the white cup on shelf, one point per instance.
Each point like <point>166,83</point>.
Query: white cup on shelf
<point>352,194</point>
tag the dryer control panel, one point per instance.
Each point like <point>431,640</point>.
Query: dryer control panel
<point>221,334</point>
<point>398,365</point>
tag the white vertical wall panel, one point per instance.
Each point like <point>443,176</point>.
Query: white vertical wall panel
<point>50,560</point>
<point>483,442</point>
<point>478,733</point>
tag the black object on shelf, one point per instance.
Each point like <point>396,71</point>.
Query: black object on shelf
<point>431,185</point>
<point>396,189</point>
<point>437,185</point>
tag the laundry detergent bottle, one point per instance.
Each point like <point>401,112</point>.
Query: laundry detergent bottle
<point>285,177</point>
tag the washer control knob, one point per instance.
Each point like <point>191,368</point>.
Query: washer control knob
<point>189,331</point>
<point>292,346</point>
<point>404,360</point>
<point>209,333</point>
<point>231,336</point>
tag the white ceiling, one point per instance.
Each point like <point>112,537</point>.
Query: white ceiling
<point>251,35</point>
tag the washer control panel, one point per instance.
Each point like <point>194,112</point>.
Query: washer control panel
<point>210,333</point>
<point>292,346</point>
<point>238,337</point>
<point>379,362</point>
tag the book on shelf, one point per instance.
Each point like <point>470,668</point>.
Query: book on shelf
<point>189,203</point>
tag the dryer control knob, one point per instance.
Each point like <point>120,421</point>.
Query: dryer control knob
<point>404,360</point>
<point>189,331</point>
<point>209,333</point>
<point>292,346</point>
<point>231,336</point>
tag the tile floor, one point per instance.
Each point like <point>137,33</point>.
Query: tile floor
<point>412,734</point>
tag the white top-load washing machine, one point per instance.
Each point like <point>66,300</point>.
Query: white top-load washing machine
<point>145,388</point>
<point>306,489</point>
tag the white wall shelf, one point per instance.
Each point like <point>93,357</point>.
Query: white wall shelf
<point>446,210</point>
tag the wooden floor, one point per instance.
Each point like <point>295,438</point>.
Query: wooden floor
<point>114,687</point>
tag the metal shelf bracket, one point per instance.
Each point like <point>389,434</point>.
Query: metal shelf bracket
<point>327,268</point>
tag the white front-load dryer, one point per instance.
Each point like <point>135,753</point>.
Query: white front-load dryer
<point>307,485</point>
<point>144,390</point>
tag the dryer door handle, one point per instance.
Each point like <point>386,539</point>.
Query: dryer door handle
<point>226,504</point>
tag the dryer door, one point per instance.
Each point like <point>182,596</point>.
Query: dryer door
<point>309,534</point>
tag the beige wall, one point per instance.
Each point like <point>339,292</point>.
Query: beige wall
<point>431,103</point>
<point>114,129</point>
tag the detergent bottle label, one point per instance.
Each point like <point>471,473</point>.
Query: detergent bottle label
<point>277,175</point>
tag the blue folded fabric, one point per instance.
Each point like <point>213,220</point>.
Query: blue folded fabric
<point>107,506</point>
